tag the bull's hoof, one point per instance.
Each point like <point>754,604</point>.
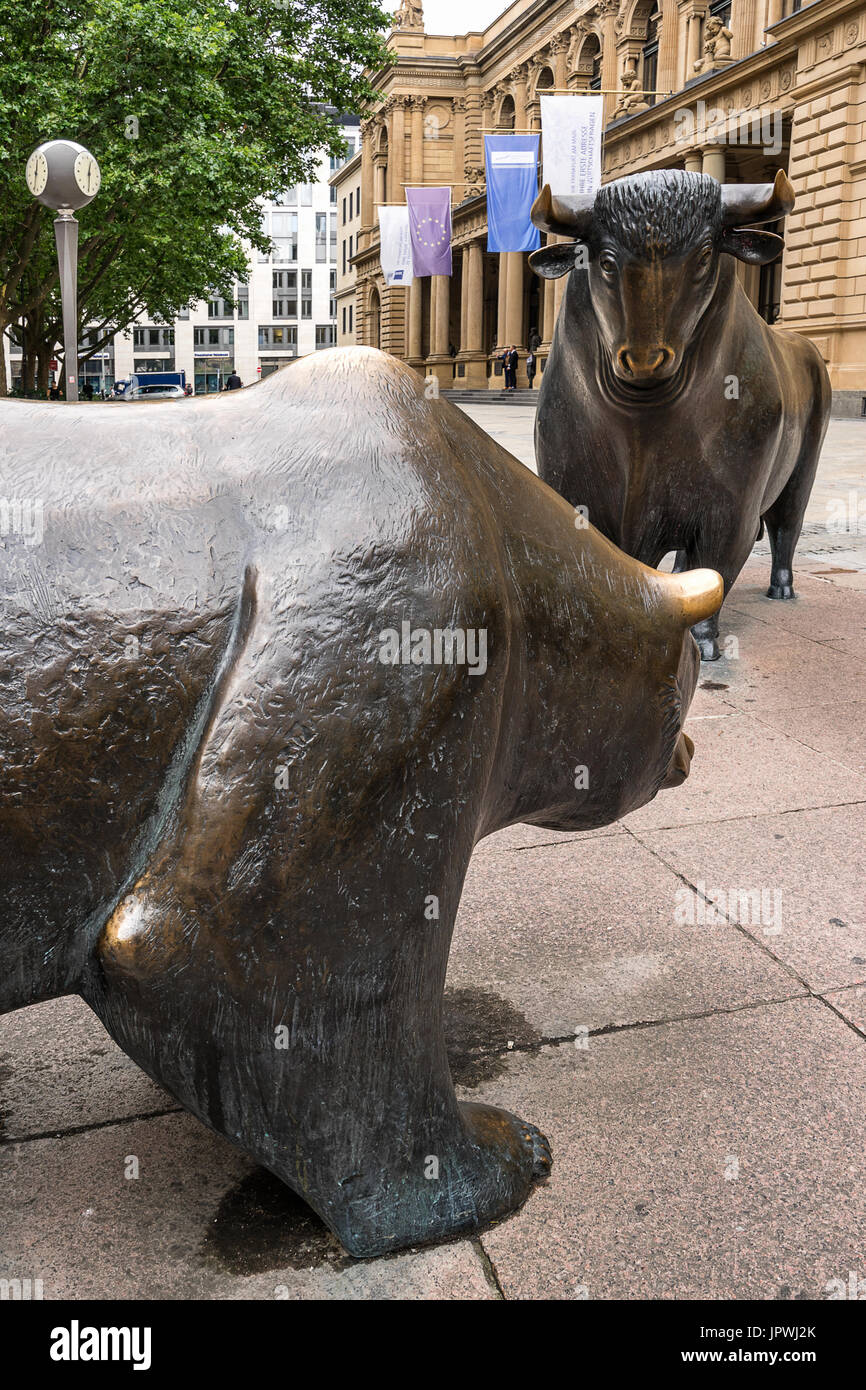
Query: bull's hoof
<point>542,1156</point>
<point>781,591</point>
<point>708,647</point>
<point>477,1181</point>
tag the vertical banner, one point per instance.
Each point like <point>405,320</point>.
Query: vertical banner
<point>512,188</point>
<point>395,245</point>
<point>571,128</point>
<point>430,228</point>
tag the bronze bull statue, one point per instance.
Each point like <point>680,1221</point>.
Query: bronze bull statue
<point>272,664</point>
<point>669,410</point>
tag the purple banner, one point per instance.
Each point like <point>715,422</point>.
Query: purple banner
<point>430,229</point>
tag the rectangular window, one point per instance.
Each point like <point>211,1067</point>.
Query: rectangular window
<point>321,236</point>
<point>344,210</point>
<point>350,317</point>
<point>344,318</point>
<point>333,307</point>
<point>278,336</point>
<point>306,294</point>
<point>289,199</point>
<point>305,195</point>
<point>332,241</point>
<point>150,337</point>
<point>213,337</point>
<point>344,257</point>
<point>284,233</point>
<point>326,335</point>
<point>351,243</point>
<point>242,301</point>
<point>333,195</point>
<point>358,201</point>
<point>285,293</point>
<point>219,308</point>
<point>351,200</point>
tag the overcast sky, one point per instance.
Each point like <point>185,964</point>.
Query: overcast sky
<point>457,16</point>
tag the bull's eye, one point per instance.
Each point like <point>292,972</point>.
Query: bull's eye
<point>705,258</point>
<point>608,263</point>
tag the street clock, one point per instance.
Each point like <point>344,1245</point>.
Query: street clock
<point>63,175</point>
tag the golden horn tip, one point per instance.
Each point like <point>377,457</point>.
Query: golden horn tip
<point>697,593</point>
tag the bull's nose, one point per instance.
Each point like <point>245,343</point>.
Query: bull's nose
<point>642,364</point>
<point>680,763</point>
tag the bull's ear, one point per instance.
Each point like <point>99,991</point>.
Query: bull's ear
<point>553,261</point>
<point>756,248</point>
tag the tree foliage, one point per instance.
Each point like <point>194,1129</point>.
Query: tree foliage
<point>195,110</point>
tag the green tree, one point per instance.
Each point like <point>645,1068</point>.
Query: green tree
<point>195,109</point>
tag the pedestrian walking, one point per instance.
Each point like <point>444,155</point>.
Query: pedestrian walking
<point>233,383</point>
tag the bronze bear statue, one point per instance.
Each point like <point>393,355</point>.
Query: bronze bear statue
<point>278,660</point>
<point>669,410</point>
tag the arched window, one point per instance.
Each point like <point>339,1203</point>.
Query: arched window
<point>506,114</point>
<point>546,80</point>
<point>649,79</point>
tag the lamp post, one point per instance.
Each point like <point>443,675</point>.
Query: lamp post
<point>64,176</point>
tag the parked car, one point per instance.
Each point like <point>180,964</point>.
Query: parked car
<point>158,391</point>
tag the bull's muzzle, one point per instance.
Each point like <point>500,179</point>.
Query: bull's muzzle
<point>678,768</point>
<point>654,363</point>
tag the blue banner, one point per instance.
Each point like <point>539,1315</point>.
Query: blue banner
<point>512,188</point>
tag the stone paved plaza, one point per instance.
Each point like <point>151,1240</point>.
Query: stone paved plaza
<point>702,1082</point>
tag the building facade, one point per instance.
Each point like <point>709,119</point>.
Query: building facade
<point>286,308</point>
<point>733,88</point>
<point>347,185</point>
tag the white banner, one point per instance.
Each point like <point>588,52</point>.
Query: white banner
<point>395,245</point>
<point>571,129</point>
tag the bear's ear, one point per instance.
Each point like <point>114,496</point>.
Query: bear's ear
<point>755,248</point>
<point>553,261</point>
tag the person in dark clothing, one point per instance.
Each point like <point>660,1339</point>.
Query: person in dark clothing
<point>503,358</point>
<point>233,382</point>
<point>513,362</point>
<point>87,390</point>
<point>531,363</point>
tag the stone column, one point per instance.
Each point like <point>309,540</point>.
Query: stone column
<point>694,47</point>
<point>417,141</point>
<point>774,13</point>
<point>458,108</point>
<point>608,10</point>
<point>440,304</point>
<point>743,25</point>
<point>416,308</point>
<point>714,162</point>
<point>559,49</point>
<point>474,282</point>
<point>514,299</point>
<point>397,150</point>
<point>667,65</point>
<point>501,302</point>
<point>694,162</point>
<point>368,186</point>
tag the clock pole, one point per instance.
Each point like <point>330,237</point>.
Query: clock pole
<point>64,176</point>
<point>66,237</point>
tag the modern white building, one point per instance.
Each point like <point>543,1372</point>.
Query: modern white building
<point>286,308</point>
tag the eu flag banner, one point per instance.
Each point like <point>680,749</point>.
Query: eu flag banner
<point>512,188</point>
<point>430,228</point>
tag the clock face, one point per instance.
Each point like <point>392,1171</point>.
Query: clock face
<point>37,173</point>
<point>87,174</point>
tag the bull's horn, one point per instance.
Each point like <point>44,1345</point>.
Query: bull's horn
<point>747,203</point>
<point>697,594</point>
<point>569,216</point>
